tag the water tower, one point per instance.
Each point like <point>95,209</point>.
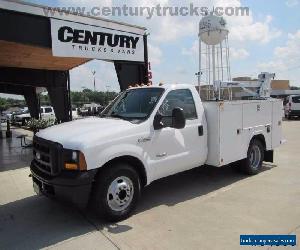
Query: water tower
<point>213,51</point>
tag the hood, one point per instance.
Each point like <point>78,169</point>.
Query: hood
<point>77,134</point>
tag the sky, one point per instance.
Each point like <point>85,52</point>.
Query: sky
<point>266,40</point>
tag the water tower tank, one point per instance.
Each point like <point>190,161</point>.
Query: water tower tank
<point>212,29</point>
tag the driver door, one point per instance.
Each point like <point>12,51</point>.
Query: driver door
<point>175,150</point>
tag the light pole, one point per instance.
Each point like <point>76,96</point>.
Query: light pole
<point>198,74</point>
<point>94,75</point>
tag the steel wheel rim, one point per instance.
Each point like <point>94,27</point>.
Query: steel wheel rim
<point>255,157</point>
<point>120,193</point>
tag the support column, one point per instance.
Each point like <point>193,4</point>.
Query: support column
<point>59,94</point>
<point>32,101</point>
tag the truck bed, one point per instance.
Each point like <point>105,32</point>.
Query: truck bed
<point>232,124</point>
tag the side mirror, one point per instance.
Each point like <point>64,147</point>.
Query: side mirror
<point>178,119</point>
<point>157,122</point>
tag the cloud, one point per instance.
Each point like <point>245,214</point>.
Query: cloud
<point>249,30</point>
<point>238,54</point>
<point>181,70</point>
<point>194,50</point>
<point>286,59</point>
<point>292,3</point>
<point>155,54</point>
<point>106,78</point>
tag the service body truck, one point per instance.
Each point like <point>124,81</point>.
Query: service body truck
<point>148,133</point>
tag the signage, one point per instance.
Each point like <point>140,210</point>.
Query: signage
<point>71,39</point>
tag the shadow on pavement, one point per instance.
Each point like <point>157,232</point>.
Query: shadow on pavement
<point>189,185</point>
<point>36,222</point>
<point>178,188</point>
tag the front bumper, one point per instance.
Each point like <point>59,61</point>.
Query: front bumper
<point>72,186</point>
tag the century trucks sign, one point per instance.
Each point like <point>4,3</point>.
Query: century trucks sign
<point>71,39</point>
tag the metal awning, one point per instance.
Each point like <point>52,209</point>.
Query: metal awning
<point>25,39</point>
<point>33,53</point>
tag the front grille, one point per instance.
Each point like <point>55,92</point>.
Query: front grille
<point>47,156</point>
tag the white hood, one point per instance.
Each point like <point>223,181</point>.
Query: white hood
<point>77,134</point>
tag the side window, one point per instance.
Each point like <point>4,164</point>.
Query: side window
<point>48,110</point>
<point>181,98</point>
<point>296,99</point>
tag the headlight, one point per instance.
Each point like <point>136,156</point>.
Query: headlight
<point>75,156</point>
<point>74,160</point>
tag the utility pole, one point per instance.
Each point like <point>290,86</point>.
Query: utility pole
<point>94,75</point>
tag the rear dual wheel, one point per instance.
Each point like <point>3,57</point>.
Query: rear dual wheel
<point>255,156</point>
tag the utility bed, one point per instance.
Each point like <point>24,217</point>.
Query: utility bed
<point>231,124</point>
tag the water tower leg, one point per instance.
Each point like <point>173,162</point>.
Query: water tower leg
<point>214,63</point>
<point>199,71</point>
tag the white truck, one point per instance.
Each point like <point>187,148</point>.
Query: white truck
<point>148,133</point>
<point>46,112</point>
<point>292,106</point>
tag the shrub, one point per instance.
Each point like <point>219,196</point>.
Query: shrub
<point>36,124</point>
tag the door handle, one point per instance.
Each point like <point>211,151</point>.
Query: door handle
<point>161,155</point>
<point>144,139</point>
<point>200,130</point>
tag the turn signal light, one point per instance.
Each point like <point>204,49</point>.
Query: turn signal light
<point>80,164</point>
<point>71,166</point>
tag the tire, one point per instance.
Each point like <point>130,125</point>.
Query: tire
<point>255,155</point>
<point>116,192</point>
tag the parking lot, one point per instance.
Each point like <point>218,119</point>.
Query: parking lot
<point>205,208</point>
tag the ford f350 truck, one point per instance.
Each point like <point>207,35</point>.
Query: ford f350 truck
<point>148,133</point>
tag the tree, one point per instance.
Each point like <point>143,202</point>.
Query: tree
<point>294,88</point>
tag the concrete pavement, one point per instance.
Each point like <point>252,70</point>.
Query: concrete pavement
<point>206,208</point>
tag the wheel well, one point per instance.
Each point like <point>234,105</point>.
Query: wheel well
<point>261,138</point>
<point>134,162</point>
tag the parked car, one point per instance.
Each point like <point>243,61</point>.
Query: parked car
<point>90,109</point>
<point>292,106</point>
<point>75,113</point>
<point>11,111</point>
<point>46,112</point>
<point>21,117</point>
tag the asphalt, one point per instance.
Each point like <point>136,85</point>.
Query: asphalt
<point>205,208</point>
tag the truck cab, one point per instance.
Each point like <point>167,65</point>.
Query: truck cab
<point>144,134</point>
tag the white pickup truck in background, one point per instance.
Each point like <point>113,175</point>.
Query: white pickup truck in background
<point>46,113</point>
<point>292,106</point>
<point>148,133</point>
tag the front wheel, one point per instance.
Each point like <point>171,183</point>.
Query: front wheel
<point>116,192</point>
<point>255,155</point>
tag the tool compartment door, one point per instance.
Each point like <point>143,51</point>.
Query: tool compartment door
<point>231,124</point>
<point>277,111</point>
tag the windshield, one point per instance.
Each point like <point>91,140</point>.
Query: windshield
<point>134,104</point>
